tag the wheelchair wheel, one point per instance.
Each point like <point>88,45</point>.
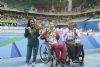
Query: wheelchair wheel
<point>67,60</point>
<point>45,53</point>
<point>53,59</point>
<point>68,57</point>
<point>82,54</point>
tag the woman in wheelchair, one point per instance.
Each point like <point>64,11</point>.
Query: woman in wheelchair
<point>51,37</point>
<point>72,39</point>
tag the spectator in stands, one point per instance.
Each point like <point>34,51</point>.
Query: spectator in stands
<point>32,34</point>
<point>0,24</point>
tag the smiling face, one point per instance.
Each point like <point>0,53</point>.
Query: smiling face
<point>71,25</point>
<point>51,26</point>
<point>32,24</point>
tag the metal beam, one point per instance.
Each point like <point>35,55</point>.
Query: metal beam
<point>69,5</point>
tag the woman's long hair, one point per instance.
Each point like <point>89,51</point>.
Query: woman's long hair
<point>28,24</point>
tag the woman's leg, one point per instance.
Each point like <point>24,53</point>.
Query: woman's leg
<point>71,51</point>
<point>63,51</point>
<point>55,48</point>
<point>29,52</point>
<point>35,51</point>
<point>79,50</point>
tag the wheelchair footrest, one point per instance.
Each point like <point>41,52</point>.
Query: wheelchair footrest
<point>77,61</point>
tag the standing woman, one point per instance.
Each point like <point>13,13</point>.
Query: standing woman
<point>32,34</point>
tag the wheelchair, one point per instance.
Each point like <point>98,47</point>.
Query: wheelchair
<point>75,52</point>
<point>47,55</point>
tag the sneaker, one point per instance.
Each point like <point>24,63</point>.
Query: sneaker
<point>33,64</point>
<point>26,65</point>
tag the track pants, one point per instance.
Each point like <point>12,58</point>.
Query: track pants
<point>60,51</point>
<point>29,52</point>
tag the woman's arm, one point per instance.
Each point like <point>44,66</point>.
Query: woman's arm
<point>37,33</point>
<point>43,35</point>
<point>26,34</point>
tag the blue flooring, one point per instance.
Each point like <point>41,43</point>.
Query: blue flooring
<point>94,42</point>
<point>86,43</point>
<point>90,60</point>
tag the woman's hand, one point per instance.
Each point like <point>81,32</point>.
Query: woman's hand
<point>43,35</point>
<point>29,29</point>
